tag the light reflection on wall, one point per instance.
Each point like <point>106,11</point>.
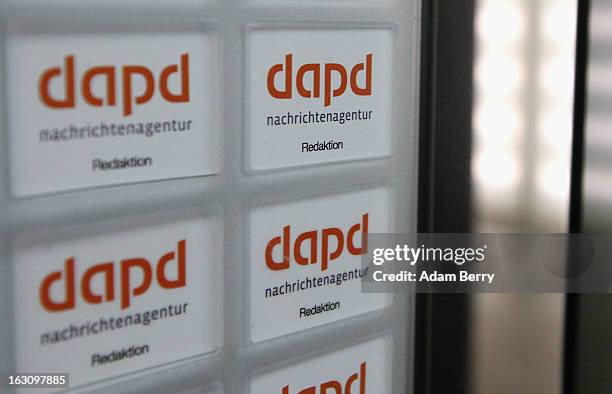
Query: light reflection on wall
<point>498,124</point>
<point>522,114</point>
<point>522,123</point>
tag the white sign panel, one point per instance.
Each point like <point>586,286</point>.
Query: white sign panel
<point>361,369</point>
<point>99,108</point>
<point>318,95</point>
<point>111,303</point>
<point>306,261</point>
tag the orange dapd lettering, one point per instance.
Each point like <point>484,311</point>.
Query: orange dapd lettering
<point>105,269</point>
<point>315,69</point>
<point>180,280</point>
<point>329,90</point>
<point>297,248</point>
<point>332,243</point>
<point>328,234</point>
<point>366,90</point>
<point>108,75</point>
<point>56,72</point>
<point>145,95</point>
<point>183,95</point>
<point>355,384</point>
<point>45,288</point>
<point>127,290</point>
<point>277,68</point>
<point>284,263</point>
<point>336,79</point>
<point>168,273</point>
<point>363,248</point>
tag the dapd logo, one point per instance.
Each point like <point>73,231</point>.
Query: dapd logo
<point>355,384</point>
<point>337,80</point>
<point>119,85</point>
<point>332,244</point>
<point>168,273</point>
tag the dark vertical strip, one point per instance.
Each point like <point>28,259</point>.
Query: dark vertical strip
<point>578,123</point>
<point>569,343</point>
<point>422,345</point>
<point>444,184</point>
<point>572,301</point>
